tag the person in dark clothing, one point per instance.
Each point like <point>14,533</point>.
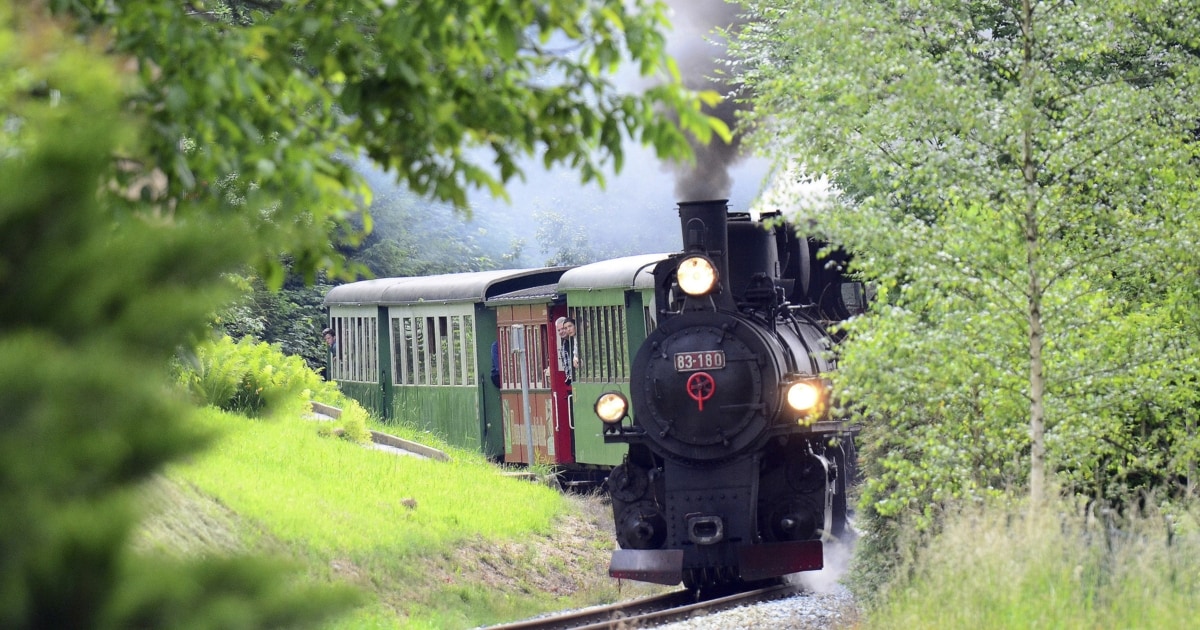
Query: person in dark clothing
<point>496,364</point>
<point>331,342</point>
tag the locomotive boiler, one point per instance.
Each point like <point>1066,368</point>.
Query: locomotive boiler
<point>734,471</point>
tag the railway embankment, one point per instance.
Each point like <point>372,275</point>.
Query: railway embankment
<point>430,543</point>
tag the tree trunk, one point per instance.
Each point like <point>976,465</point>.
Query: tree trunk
<point>1037,385</point>
<point>1037,411</point>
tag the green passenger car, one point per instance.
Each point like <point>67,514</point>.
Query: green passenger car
<point>612,303</point>
<point>418,350</point>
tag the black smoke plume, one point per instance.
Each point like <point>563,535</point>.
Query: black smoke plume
<point>699,48</point>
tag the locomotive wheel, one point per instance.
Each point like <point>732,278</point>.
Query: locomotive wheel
<point>787,518</point>
<point>806,474</point>
<point>628,483</point>
<point>641,526</point>
<point>695,579</point>
<point>702,578</point>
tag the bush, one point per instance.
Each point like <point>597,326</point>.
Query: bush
<point>352,424</point>
<point>257,379</point>
<point>246,377</point>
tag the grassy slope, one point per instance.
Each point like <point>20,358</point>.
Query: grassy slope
<point>433,544</point>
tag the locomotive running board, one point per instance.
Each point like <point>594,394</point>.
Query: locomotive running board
<point>768,560</point>
<point>660,566</point>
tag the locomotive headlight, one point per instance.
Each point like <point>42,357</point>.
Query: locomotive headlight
<point>611,407</point>
<point>805,395</point>
<point>696,275</point>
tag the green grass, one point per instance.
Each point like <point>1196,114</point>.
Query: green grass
<point>339,510</point>
<point>1005,569</point>
<point>337,497</point>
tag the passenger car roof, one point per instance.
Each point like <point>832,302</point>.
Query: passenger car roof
<point>475,286</point>
<point>630,272</point>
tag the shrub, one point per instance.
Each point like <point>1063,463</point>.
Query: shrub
<point>352,424</point>
<point>1066,565</point>
<point>246,377</point>
<point>257,379</point>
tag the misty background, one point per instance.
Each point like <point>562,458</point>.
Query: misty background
<point>553,219</point>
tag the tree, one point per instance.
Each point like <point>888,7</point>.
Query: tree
<point>91,308</point>
<point>410,237</point>
<point>1018,179</point>
<point>261,105</point>
<point>151,150</point>
<point>291,316</point>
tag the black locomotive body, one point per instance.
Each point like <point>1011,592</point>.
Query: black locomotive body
<point>734,471</point>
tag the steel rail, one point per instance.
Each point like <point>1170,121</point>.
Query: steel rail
<point>648,611</point>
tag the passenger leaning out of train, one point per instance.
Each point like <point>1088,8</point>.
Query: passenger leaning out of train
<point>331,341</point>
<point>568,347</point>
<point>332,344</point>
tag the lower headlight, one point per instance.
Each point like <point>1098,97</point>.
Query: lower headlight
<point>611,407</point>
<point>805,396</point>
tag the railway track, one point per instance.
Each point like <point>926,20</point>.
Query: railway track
<point>651,611</point>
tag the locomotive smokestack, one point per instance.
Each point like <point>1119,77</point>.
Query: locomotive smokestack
<point>704,225</point>
<point>705,229</point>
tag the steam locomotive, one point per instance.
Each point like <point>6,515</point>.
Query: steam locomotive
<point>734,470</point>
<point>725,467</point>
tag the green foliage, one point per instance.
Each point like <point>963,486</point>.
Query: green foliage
<point>351,425</point>
<point>185,144</point>
<point>258,379</point>
<point>565,241</point>
<point>250,103</point>
<point>413,236</point>
<point>93,301</point>
<point>1020,187</point>
<point>412,534</point>
<point>214,596</point>
<point>255,465</point>
<point>410,236</point>
<point>291,316</point>
<point>395,526</point>
<point>354,421</point>
<point>252,378</point>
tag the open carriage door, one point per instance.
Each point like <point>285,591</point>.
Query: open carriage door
<point>524,336</point>
<point>561,391</point>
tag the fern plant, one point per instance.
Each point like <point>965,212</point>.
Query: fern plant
<point>258,379</point>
